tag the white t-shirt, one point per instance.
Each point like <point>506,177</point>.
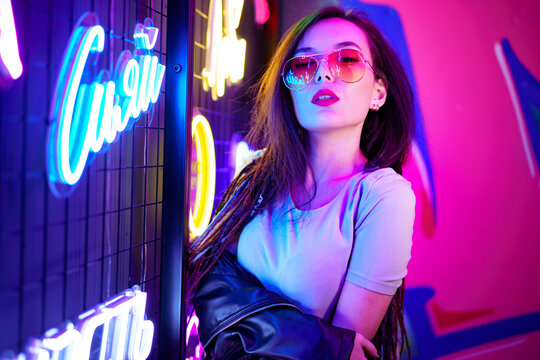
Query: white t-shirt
<point>303,255</point>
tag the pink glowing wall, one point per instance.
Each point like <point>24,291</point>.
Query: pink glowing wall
<point>477,231</point>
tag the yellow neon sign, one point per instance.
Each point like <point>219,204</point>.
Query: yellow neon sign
<point>199,216</point>
<point>225,53</point>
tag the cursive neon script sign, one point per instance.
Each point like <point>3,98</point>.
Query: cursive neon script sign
<point>88,114</point>
<point>225,53</point>
<point>115,329</point>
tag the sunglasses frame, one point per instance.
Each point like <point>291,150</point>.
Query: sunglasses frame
<point>325,59</point>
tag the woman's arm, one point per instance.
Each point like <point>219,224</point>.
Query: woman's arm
<point>382,247</point>
<point>360,309</point>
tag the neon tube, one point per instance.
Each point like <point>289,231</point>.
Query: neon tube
<point>85,116</point>
<point>9,49</point>
<point>225,54</point>
<point>125,333</point>
<point>199,216</point>
<point>262,12</point>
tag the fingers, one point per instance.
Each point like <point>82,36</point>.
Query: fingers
<point>370,349</point>
<point>367,345</point>
<point>358,352</point>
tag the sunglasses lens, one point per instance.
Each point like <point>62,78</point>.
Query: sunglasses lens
<point>347,64</point>
<point>299,71</point>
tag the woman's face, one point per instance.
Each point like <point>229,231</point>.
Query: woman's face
<point>348,103</point>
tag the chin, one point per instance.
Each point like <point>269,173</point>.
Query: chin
<point>318,120</point>
<point>323,128</point>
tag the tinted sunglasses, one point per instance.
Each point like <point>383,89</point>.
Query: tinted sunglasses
<point>347,65</point>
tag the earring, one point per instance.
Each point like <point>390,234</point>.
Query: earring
<point>375,107</point>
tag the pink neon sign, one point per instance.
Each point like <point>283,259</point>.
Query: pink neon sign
<point>262,12</point>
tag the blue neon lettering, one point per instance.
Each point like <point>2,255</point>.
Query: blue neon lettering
<point>85,117</point>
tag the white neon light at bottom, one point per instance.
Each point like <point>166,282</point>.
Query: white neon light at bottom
<point>124,333</point>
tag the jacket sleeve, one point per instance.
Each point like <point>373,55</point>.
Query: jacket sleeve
<point>239,318</point>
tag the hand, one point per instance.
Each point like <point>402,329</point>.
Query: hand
<point>361,347</point>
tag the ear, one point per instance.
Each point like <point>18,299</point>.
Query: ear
<point>380,91</point>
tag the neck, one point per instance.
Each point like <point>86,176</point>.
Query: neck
<point>335,157</point>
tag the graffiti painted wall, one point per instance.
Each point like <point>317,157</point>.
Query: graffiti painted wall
<point>473,281</point>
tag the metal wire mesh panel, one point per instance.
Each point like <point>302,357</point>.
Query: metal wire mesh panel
<point>62,256</point>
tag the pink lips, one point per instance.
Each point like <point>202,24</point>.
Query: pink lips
<point>324,97</point>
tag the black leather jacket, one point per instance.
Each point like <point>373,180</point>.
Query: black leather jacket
<point>240,319</point>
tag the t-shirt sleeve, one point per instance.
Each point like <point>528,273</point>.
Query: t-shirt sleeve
<point>383,234</point>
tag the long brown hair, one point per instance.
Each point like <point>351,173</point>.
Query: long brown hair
<point>385,142</point>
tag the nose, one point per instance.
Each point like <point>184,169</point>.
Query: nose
<point>324,73</point>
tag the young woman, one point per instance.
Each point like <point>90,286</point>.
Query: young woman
<point>323,217</point>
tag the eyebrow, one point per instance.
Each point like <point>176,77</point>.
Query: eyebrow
<point>337,46</point>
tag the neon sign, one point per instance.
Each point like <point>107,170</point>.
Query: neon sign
<point>243,156</point>
<point>204,166</point>
<point>9,50</point>
<point>262,12</point>
<point>199,216</point>
<point>88,114</point>
<point>115,329</point>
<point>225,53</point>
<point>193,331</point>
